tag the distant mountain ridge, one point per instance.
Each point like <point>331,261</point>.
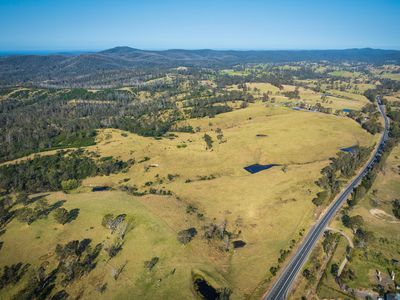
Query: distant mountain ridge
<point>19,69</point>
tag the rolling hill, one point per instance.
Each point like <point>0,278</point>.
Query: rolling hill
<point>43,69</point>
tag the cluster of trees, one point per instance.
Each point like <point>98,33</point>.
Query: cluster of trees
<point>317,107</point>
<point>33,209</point>
<point>363,237</point>
<point>184,128</point>
<point>385,86</point>
<point>394,115</point>
<point>13,274</point>
<point>103,94</point>
<point>358,193</point>
<point>368,118</point>
<point>118,225</point>
<point>207,111</point>
<point>6,212</point>
<point>329,244</point>
<point>292,94</point>
<point>63,216</point>
<point>76,258</point>
<point>353,222</point>
<point>222,97</point>
<point>47,173</point>
<point>161,191</point>
<point>369,178</point>
<point>219,234</point>
<point>330,241</point>
<point>372,126</point>
<point>40,285</point>
<point>345,164</point>
<point>40,210</point>
<point>272,73</point>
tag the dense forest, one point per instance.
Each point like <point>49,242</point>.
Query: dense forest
<point>129,66</point>
<point>63,170</point>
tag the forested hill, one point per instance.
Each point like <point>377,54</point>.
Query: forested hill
<point>125,61</point>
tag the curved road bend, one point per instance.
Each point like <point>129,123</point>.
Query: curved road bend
<point>282,286</point>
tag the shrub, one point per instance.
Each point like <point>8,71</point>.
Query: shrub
<point>273,270</point>
<point>107,219</point>
<point>334,269</point>
<point>185,236</point>
<point>320,199</point>
<point>115,248</point>
<point>358,194</point>
<point>396,208</point>
<point>69,184</point>
<point>308,275</point>
<point>151,263</point>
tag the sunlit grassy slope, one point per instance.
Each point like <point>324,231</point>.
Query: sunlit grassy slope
<point>269,208</point>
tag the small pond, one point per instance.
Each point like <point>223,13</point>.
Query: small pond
<point>346,110</point>
<point>100,188</point>
<point>239,244</point>
<point>257,168</point>
<point>349,149</point>
<point>205,290</point>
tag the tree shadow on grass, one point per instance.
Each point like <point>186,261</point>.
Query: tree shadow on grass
<point>52,207</point>
<point>36,198</point>
<point>73,214</point>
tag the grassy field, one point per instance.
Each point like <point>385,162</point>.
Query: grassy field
<point>150,237</point>
<point>269,208</point>
<point>234,72</point>
<point>337,100</point>
<point>346,74</point>
<point>393,76</point>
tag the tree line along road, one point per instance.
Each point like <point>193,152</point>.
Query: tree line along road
<point>282,286</point>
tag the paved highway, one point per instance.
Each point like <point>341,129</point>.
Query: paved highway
<point>282,286</point>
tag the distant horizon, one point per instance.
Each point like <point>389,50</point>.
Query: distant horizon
<point>88,51</point>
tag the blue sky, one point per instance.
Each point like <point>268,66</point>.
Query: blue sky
<point>194,24</point>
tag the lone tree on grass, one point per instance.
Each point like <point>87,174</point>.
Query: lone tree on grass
<point>63,216</point>
<point>208,140</point>
<point>334,269</point>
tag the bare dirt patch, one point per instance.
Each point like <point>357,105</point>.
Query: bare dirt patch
<point>382,215</point>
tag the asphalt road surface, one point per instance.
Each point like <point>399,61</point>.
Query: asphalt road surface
<point>282,286</point>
